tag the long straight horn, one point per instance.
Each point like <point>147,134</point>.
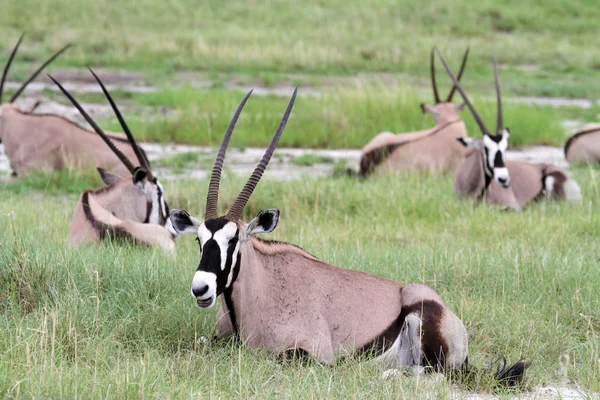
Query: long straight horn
<point>37,72</point>
<point>460,73</point>
<point>138,152</point>
<point>212,198</point>
<point>7,67</point>
<point>98,130</point>
<point>436,95</point>
<point>482,126</point>
<point>499,117</point>
<point>237,208</point>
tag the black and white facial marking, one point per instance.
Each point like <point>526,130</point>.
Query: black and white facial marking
<point>493,150</point>
<point>219,241</point>
<point>158,210</point>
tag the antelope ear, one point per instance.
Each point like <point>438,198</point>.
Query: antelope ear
<point>426,109</point>
<point>108,177</point>
<point>139,175</point>
<point>265,222</point>
<point>182,222</point>
<point>466,141</point>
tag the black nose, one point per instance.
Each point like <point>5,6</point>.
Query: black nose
<point>199,291</point>
<point>502,180</point>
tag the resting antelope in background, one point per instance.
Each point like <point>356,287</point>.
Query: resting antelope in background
<point>431,150</point>
<point>584,146</point>
<point>132,207</point>
<point>278,297</point>
<point>50,142</point>
<point>484,173</point>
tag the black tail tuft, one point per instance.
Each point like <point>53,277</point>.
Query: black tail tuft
<point>497,376</point>
<point>510,376</point>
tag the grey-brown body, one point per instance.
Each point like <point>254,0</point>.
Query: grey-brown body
<point>584,146</point>
<point>284,298</point>
<point>50,143</point>
<point>108,212</point>
<point>433,150</point>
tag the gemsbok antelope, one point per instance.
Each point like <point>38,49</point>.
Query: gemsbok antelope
<point>432,150</point>
<point>485,175</point>
<point>278,297</point>
<point>130,208</point>
<point>584,146</point>
<point>50,142</point>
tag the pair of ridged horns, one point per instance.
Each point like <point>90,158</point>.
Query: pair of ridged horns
<point>144,163</point>
<point>32,77</point>
<point>235,212</point>
<point>436,95</point>
<point>499,117</point>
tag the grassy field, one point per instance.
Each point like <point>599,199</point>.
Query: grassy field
<point>368,59</point>
<point>116,321</point>
<point>341,118</point>
<point>547,46</point>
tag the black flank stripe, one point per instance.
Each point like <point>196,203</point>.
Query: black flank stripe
<point>434,346</point>
<point>103,230</point>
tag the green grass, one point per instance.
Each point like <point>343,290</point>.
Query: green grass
<point>270,40</point>
<point>186,160</point>
<point>344,118</point>
<point>311,159</point>
<point>116,321</point>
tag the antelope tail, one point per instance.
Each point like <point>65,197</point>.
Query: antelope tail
<point>572,191</point>
<point>560,186</point>
<point>502,375</point>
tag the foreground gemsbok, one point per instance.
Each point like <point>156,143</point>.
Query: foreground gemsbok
<point>432,150</point>
<point>50,142</point>
<point>279,297</point>
<point>130,207</point>
<point>584,146</point>
<point>485,175</point>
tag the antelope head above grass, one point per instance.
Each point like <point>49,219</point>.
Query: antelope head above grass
<point>131,207</point>
<point>485,175</point>
<point>278,297</point>
<point>432,150</point>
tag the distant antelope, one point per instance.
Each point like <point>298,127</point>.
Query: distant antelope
<point>484,173</point>
<point>50,142</point>
<point>431,150</point>
<point>132,208</point>
<point>279,297</point>
<point>584,146</point>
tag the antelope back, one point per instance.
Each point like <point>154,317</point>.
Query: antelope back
<point>50,142</point>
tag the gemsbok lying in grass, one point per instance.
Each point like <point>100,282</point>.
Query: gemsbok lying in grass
<point>278,297</point>
<point>50,142</point>
<point>133,207</point>
<point>485,175</point>
<point>432,150</point>
<point>584,146</point>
